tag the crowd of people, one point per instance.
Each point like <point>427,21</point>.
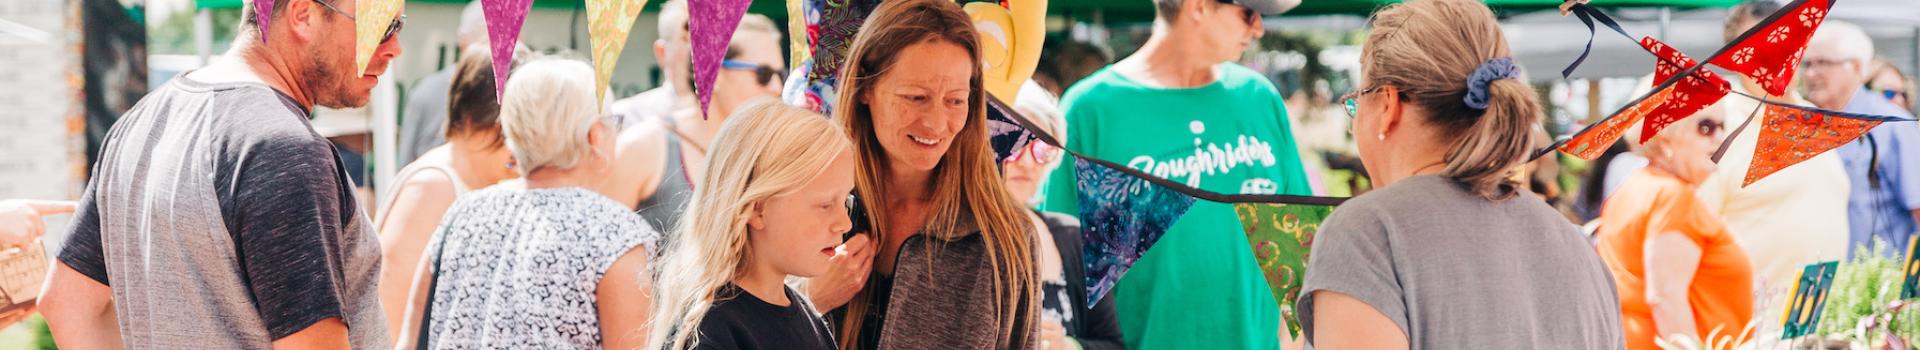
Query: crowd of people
<point>539,217</point>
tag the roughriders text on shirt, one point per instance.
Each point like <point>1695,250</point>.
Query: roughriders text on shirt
<point>1214,159</point>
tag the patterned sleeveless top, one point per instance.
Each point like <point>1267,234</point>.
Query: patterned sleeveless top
<point>520,267</point>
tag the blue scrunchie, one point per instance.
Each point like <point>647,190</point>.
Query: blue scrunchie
<point>1477,83</point>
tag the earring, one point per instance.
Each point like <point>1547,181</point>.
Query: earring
<point>1383,136</point>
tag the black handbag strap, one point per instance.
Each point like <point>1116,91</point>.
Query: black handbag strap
<point>426,315</point>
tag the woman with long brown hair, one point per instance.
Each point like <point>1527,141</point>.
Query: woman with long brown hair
<point>1448,252</point>
<point>955,266</point>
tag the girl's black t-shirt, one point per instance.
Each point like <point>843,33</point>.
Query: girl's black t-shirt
<point>740,321</point>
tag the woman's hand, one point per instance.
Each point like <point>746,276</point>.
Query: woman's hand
<point>1054,337</point>
<point>846,273</point>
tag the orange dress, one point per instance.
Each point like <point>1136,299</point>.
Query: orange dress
<point>1653,201</point>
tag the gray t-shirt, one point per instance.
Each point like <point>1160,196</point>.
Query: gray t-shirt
<point>1455,271</point>
<point>221,220</point>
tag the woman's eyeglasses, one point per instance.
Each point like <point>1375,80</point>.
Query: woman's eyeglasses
<point>1352,101</point>
<point>1891,93</point>
<point>1710,127</point>
<point>1041,152</point>
<point>766,74</point>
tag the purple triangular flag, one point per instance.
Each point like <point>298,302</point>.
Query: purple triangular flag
<point>711,27</point>
<point>1121,216</point>
<point>263,13</point>
<point>504,18</point>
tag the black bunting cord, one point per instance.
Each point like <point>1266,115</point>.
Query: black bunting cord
<point>1037,134</point>
<point>1587,15</point>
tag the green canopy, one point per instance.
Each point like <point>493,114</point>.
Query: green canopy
<point>1136,10</point>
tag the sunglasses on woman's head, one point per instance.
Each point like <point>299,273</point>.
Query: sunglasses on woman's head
<point>764,73</point>
<point>392,28</point>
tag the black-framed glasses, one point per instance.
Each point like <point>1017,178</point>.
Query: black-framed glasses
<point>392,28</point>
<point>766,74</point>
<point>1352,101</point>
<point>1246,13</point>
<point>1710,127</point>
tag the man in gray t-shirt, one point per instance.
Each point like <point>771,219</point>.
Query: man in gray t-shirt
<point>216,218</point>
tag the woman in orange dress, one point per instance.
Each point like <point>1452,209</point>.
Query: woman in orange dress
<point>1680,275</point>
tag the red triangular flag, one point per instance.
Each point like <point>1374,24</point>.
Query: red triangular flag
<point>1768,53</point>
<point>1691,94</point>
<point>1790,135</point>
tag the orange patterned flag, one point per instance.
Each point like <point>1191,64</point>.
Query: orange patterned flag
<point>1790,135</point>
<point>1593,141</point>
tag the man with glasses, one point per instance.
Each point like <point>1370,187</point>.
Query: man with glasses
<point>1884,165</point>
<point>1179,109</point>
<point>659,157</point>
<point>216,218</point>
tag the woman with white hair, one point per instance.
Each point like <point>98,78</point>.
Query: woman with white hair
<point>546,263</point>
<point>1067,321</point>
<point>1679,273</point>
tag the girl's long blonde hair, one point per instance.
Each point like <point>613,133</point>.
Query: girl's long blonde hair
<point>766,149</point>
<point>967,184</point>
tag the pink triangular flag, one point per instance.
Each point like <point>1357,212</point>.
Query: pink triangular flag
<point>504,18</point>
<point>711,27</point>
<point>263,13</point>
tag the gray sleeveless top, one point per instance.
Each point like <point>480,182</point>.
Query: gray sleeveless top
<point>669,200</point>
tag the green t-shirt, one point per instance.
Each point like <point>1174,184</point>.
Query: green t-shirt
<point>1199,286</point>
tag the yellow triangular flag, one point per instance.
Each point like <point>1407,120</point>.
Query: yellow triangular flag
<point>797,33</point>
<point>1010,40</point>
<point>608,23</point>
<point>370,26</point>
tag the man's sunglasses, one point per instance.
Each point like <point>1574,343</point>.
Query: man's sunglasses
<point>765,74</point>
<point>392,29</point>
<point>1246,14</point>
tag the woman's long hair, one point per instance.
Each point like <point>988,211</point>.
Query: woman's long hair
<point>766,149</point>
<point>967,185</point>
